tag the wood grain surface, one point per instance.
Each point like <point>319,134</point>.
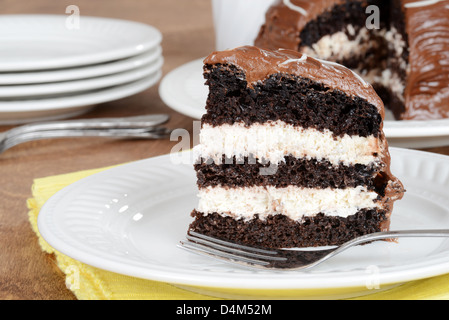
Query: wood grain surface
<point>187,28</point>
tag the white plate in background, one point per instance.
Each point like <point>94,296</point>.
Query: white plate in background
<point>65,106</point>
<point>38,42</point>
<point>130,219</point>
<point>83,72</point>
<point>183,90</point>
<point>20,92</point>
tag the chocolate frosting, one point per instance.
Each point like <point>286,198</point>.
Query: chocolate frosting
<point>285,20</point>
<point>258,64</point>
<point>427,89</point>
<point>427,25</point>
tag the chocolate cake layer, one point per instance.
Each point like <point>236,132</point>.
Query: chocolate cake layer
<point>337,18</point>
<point>279,231</point>
<point>307,173</point>
<point>295,100</point>
<point>392,100</point>
<point>398,22</point>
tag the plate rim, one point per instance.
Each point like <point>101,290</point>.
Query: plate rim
<point>80,85</point>
<point>392,129</point>
<point>81,72</point>
<point>282,280</point>
<point>87,99</point>
<point>167,95</point>
<point>143,45</point>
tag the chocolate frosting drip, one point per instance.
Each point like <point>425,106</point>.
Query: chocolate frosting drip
<point>258,64</point>
<point>427,89</point>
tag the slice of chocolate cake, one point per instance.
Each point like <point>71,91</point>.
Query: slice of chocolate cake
<point>291,153</point>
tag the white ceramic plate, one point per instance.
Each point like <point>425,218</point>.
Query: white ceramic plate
<point>84,72</point>
<point>129,220</point>
<point>65,87</point>
<point>183,90</point>
<point>37,42</point>
<point>65,106</point>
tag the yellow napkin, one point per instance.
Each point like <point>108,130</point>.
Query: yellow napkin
<point>89,283</point>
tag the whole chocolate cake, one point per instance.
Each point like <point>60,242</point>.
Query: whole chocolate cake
<point>401,47</point>
<point>292,152</point>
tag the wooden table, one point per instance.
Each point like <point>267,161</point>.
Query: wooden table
<point>187,27</point>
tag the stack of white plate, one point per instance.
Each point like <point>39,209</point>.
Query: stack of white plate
<point>51,68</point>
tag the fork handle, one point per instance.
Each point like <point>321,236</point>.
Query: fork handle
<point>145,121</point>
<point>408,233</point>
<point>139,133</point>
<point>429,233</point>
<point>432,233</point>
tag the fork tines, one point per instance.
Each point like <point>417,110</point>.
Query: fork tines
<point>229,251</point>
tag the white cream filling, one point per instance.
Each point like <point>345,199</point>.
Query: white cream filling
<point>396,43</point>
<point>338,46</point>
<point>272,141</point>
<point>387,79</point>
<point>294,202</point>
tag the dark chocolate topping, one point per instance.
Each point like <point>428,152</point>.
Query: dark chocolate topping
<point>258,64</point>
<point>427,90</point>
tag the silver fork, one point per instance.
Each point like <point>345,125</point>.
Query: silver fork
<point>285,259</point>
<point>144,127</point>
